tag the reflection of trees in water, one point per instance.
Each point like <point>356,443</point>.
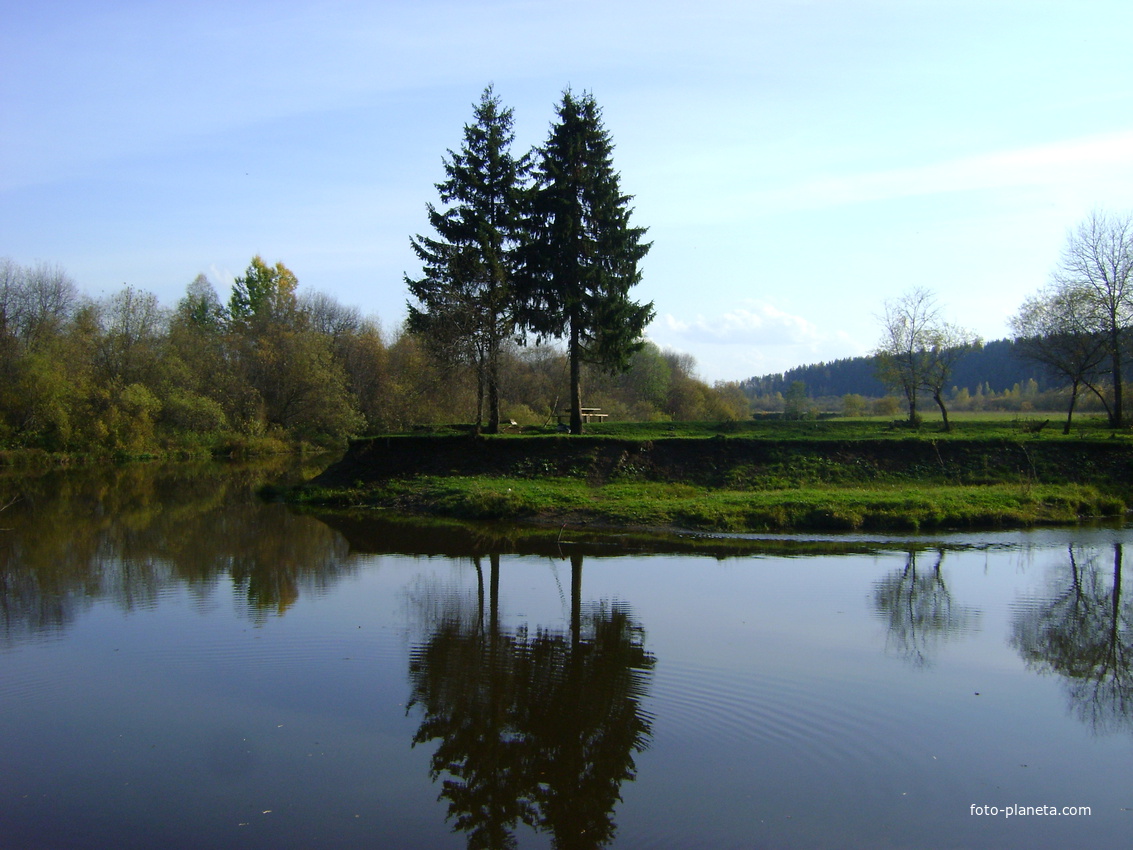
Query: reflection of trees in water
<point>1084,633</point>
<point>535,729</point>
<point>464,677</point>
<point>919,611</point>
<point>129,533</point>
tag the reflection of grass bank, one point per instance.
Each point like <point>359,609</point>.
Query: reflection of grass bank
<point>655,504</point>
<point>382,532</point>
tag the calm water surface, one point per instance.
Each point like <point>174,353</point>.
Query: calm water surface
<point>182,665</point>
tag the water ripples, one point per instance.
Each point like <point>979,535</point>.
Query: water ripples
<point>264,653</point>
<point>817,720</point>
<point>25,680</point>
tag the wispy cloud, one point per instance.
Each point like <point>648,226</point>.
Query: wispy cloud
<point>757,324</point>
<point>1088,157</point>
<point>754,339</point>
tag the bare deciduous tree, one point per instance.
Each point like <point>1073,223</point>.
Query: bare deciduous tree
<point>1055,329</point>
<point>918,349</point>
<point>1097,266</point>
<point>947,345</point>
<point>35,301</point>
<point>133,327</point>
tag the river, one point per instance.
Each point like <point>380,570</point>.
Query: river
<point>184,665</point>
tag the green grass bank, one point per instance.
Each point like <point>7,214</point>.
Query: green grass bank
<point>751,478</point>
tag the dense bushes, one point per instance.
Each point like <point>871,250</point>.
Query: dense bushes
<point>123,374</point>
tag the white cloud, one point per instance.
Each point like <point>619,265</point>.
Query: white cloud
<point>754,339</point>
<point>760,324</point>
<point>1089,158</point>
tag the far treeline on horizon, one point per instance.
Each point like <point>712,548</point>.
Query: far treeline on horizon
<point>522,313</point>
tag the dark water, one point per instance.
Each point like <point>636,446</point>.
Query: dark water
<point>182,665</point>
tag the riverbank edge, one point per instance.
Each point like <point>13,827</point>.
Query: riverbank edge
<point>732,484</point>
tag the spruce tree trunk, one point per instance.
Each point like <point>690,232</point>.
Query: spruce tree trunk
<point>493,381</point>
<point>575,381</point>
<point>493,404</point>
<point>479,396</point>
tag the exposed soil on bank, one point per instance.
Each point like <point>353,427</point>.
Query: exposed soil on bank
<point>739,463</point>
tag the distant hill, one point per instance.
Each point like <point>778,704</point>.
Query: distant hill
<point>996,366</point>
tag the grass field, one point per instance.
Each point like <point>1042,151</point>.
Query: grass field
<point>993,425</point>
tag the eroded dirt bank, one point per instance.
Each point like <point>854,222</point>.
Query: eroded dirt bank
<point>737,462</point>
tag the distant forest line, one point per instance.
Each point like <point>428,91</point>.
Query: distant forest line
<point>994,368</point>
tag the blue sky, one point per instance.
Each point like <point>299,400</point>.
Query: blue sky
<point>796,163</point>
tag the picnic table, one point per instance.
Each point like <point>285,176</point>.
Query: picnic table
<point>589,414</point>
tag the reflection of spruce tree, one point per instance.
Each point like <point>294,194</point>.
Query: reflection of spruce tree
<point>585,719</point>
<point>1086,635</point>
<point>536,730</point>
<point>918,609</point>
<point>464,679</point>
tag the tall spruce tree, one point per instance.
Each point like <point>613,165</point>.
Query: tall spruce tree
<point>581,255</point>
<point>466,307</point>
